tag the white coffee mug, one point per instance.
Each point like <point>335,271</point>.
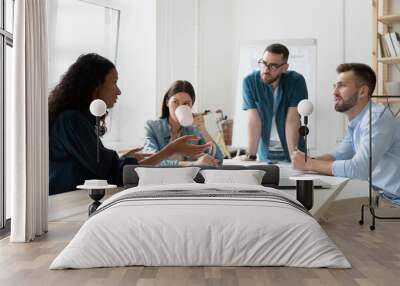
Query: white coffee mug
<point>184,115</point>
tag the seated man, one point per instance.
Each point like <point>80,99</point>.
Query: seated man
<point>352,89</point>
<point>270,97</point>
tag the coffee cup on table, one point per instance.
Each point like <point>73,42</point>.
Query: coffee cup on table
<point>184,115</point>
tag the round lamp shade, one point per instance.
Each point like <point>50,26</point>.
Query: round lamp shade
<point>98,107</point>
<point>305,107</point>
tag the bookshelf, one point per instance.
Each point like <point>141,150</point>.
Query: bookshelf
<point>389,19</point>
<point>383,21</point>
<point>389,60</point>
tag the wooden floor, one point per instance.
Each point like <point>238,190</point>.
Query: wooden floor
<point>374,255</point>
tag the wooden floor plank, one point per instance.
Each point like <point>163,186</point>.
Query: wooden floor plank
<point>374,255</point>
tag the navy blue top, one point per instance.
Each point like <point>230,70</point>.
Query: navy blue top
<point>259,95</point>
<point>73,153</point>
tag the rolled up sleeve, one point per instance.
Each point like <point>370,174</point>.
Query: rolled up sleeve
<point>249,101</point>
<point>339,168</point>
<point>151,144</point>
<point>299,92</point>
<point>345,149</point>
<point>358,166</point>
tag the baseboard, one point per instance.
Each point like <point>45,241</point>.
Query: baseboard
<point>5,231</point>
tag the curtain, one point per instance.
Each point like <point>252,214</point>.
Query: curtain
<point>28,122</point>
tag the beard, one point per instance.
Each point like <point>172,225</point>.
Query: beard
<point>268,79</point>
<point>345,105</point>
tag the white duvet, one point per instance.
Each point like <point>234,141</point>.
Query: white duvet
<point>200,231</point>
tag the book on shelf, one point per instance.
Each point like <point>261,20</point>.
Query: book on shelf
<point>395,40</point>
<point>384,50</point>
<point>390,45</point>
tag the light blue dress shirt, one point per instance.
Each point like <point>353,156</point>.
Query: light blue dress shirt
<point>158,135</point>
<point>352,155</point>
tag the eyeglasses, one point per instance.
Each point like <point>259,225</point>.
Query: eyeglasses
<point>271,67</point>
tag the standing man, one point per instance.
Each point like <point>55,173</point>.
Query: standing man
<point>270,97</point>
<point>351,91</point>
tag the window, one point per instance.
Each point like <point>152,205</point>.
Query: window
<point>6,43</point>
<point>79,27</point>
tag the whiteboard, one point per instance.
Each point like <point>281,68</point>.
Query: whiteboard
<point>302,59</point>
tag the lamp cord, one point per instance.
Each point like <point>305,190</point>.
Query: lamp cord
<point>98,138</point>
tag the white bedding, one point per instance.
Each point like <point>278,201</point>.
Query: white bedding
<point>227,231</point>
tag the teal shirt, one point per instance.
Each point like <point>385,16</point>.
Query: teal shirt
<point>259,95</point>
<point>158,135</point>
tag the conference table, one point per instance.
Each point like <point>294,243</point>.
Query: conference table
<point>326,188</point>
<point>72,206</point>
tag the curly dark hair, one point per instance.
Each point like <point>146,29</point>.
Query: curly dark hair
<point>176,87</point>
<point>77,85</point>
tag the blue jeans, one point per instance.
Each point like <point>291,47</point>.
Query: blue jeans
<point>276,155</point>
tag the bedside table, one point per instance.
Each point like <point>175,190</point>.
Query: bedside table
<point>96,193</point>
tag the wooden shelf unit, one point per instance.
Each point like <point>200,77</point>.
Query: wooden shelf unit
<point>389,19</point>
<point>383,19</point>
<point>386,100</point>
<point>389,60</point>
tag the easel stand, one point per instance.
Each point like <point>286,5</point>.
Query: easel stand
<point>221,143</point>
<point>370,205</point>
<point>220,137</point>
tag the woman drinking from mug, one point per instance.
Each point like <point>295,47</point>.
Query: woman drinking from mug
<point>171,126</point>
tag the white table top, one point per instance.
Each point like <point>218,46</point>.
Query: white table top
<point>323,197</point>
<point>286,171</point>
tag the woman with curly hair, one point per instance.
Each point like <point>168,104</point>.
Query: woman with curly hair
<point>72,136</point>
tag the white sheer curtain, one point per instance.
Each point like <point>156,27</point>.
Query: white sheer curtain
<point>28,123</point>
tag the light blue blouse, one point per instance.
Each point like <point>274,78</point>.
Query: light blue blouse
<point>352,155</point>
<point>158,135</point>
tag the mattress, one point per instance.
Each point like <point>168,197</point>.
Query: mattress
<point>201,225</point>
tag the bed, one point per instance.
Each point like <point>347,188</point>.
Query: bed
<point>201,224</point>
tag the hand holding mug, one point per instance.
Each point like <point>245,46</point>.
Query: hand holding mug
<point>198,121</point>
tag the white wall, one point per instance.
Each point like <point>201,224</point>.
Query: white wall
<point>198,40</point>
<point>342,30</point>
<point>322,20</point>
<point>216,66</point>
<point>176,44</point>
<point>343,33</point>
<point>137,72</point>
<point>135,55</point>
<point>194,41</point>
<point>70,36</point>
